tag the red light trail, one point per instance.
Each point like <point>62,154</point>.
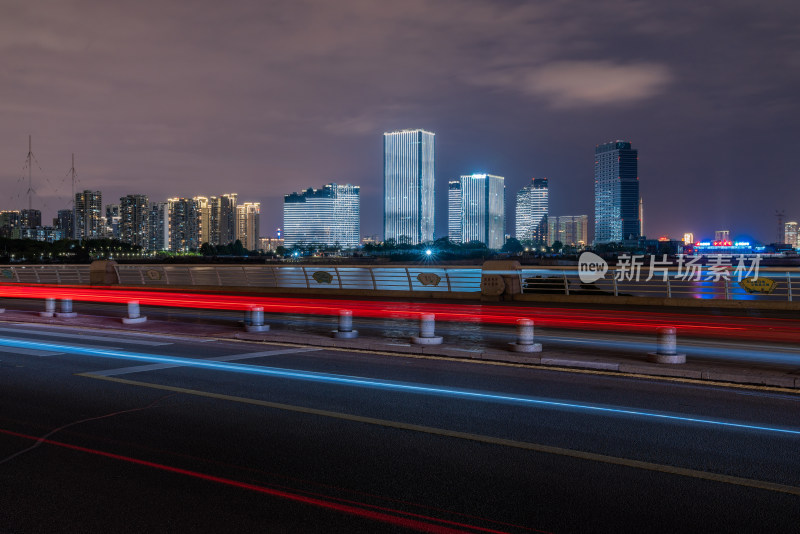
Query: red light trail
<point>744,328</point>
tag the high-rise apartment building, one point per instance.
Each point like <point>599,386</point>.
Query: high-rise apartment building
<point>133,216</point>
<point>204,219</point>
<point>454,211</point>
<point>88,215</point>
<point>533,203</point>
<point>111,226</point>
<point>616,193</point>
<point>329,216</point>
<point>9,223</point>
<point>66,223</point>
<point>481,214</point>
<point>248,221</point>
<point>569,230</point>
<point>30,218</point>
<point>225,217</point>
<point>184,224</point>
<point>158,226</point>
<point>408,186</point>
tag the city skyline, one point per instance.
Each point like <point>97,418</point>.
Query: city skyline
<point>509,88</point>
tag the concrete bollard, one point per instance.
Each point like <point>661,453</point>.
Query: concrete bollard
<point>345,330</point>
<point>49,308</point>
<point>666,347</point>
<point>524,341</point>
<point>66,310</point>
<point>427,335</point>
<point>256,320</point>
<point>134,317</point>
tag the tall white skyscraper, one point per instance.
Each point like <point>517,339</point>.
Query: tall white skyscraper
<point>531,211</point>
<point>480,214</point>
<point>454,211</point>
<point>329,216</point>
<point>408,186</point>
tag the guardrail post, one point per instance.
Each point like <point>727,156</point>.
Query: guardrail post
<point>666,347</point>
<point>614,278</point>
<point>669,288</point>
<point>566,284</point>
<point>66,310</point>
<point>49,308</point>
<point>727,290</point>
<point>525,342</point>
<point>345,330</point>
<point>134,317</point>
<point>256,320</point>
<point>789,286</point>
<point>427,335</point>
<point>410,284</point>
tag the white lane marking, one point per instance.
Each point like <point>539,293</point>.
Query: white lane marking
<point>84,336</point>
<point>29,352</point>
<point>229,358</point>
<point>129,334</point>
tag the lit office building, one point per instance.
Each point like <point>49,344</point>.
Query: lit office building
<point>480,215</point>
<point>133,219</point>
<point>722,235</point>
<point>203,219</point>
<point>223,219</point>
<point>329,216</point>
<point>157,226</point>
<point>688,238</point>
<point>248,220</point>
<point>30,218</point>
<point>183,224</point>
<point>408,186</point>
<point>454,211</point>
<point>66,223</point>
<point>533,203</point>
<point>9,223</point>
<point>790,235</point>
<point>616,193</point>
<point>88,215</point>
<point>570,230</point>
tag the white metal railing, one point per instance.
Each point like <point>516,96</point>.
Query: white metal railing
<point>532,280</point>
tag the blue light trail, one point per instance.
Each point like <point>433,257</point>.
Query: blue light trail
<point>373,383</point>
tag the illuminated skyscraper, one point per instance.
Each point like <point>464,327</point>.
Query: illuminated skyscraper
<point>88,214</point>
<point>203,219</point>
<point>454,211</point>
<point>248,220</point>
<point>408,186</point>
<point>329,216</point>
<point>133,219</point>
<point>533,203</point>
<point>480,214</point>
<point>66,223</point>
<point>616,192</point>
<point>791,235</point>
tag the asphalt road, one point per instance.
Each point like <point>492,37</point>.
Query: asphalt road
<point>171,434</point>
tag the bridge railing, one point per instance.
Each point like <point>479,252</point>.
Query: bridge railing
<point>414,278</point>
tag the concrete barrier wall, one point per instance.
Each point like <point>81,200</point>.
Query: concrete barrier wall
<point>493,281</point>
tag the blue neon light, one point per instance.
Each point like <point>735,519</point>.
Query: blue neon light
<point>371,383</point>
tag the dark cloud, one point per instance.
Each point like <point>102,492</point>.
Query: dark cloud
<point>264,98</point>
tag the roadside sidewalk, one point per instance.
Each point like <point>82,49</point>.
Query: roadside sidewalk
<point>603,362</point>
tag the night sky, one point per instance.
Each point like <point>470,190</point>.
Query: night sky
<point>263,98</point>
